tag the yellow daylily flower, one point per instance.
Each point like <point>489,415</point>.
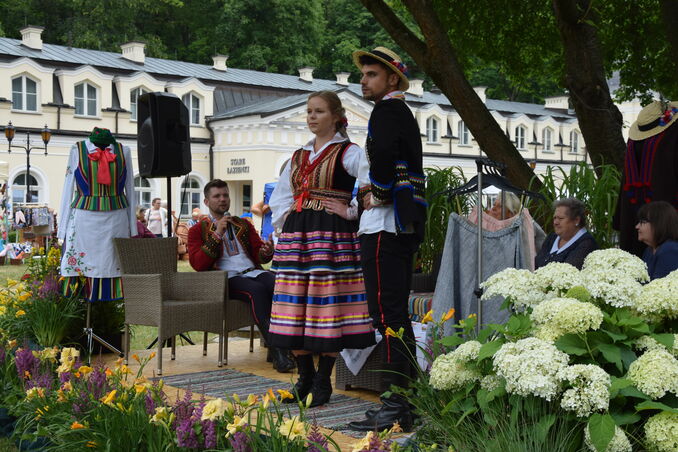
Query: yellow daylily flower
<point>285,394</point>
<point>20,313</point>
<point>237,425</point>
<point>309,399</point>
<point>293,428</point>
<point>428,317</point>
<point>61,396</point>
<point>91,444</point>
<point>390,332</point>
<point>214,409</point>
<point>252,399</point>
<point>11,282</point>
<point>67,386</point>
<point>69,354</point>
<point>448,315</point>
<point>161,414</point>
<point>364,443</point>
<point>140,388</point>
<point>76,425</point>
<point>85,370</point>
<point>108,398</point>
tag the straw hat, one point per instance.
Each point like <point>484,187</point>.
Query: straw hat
<point>390,59</point>
<point>653,119</point>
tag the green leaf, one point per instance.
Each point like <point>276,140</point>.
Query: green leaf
<point>625,418</point>
<point>543,426</point>
<point>631,391</point>
<point>489,349</point>
<point>572,345</point>
<point>485,334</point>
<point>601,428</point>
<point>612,354</point>
<point>615,336</point>
<point>666,339</point>
<point>651,405</point>
<point>452,341</point>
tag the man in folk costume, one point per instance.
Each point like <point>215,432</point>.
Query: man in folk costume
<point>221,241</point>
<point>392,224</point>
<point>650,169</point>
<point>103,207</point>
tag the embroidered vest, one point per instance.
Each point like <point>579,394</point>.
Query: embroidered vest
<point>90,194</point>
<point>324,178</point>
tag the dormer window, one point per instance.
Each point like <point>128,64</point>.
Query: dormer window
<point>134,98</point>
<point>192,102</point>
<point>520,137</point>
<point>463,134</point>
<point>86,99</point>
<point>547,139</point>
<point>432,130</point>
<point>574,142</point>
<point>24,94</point>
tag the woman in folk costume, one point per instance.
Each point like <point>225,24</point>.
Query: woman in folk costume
<point>319,302</point>
<point>100,173</point>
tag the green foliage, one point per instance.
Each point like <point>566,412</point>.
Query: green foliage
<point>50,318</point>
<point>439,209</point>
<point>597,188</point>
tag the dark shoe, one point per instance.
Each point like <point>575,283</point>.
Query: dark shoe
<point>269,355</point>
<point>281,360</point>
<point>306,369</point>
<point>322,383</point>
<point>394,409</point>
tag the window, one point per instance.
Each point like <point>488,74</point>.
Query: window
<point>142,191</point>
<point>24,94</point>
<point>246,198</point>
<point>19,189</point>
<point>574,142</point>
<point>432,130</point>
<point>520,137</point>
<point>192,102</point>
<point>191,200</point>
<point>463,134</point>
<point>547,139</point>
<point>133,98</point>
<point>85,99</point>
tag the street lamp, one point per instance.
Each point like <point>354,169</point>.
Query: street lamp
<point>45,134</point>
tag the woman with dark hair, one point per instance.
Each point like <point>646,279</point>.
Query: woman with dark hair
<point>658,228</point>
<point>570,242</point>
<point>319,301</point>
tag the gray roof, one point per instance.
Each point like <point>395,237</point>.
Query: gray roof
<point>265,107</point>
<point>108,61</point>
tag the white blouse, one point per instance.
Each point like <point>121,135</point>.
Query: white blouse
<point>282,198</point>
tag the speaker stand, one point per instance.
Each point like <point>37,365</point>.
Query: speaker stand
<point>91,337</point>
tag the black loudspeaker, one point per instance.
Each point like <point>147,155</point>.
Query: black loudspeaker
<point>163,140</point>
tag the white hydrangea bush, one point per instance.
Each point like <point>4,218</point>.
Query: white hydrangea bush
<point>556,278</point>
<point>661,432</point>
<point>590,390</point>
<point>454,370</point>
<point>614,276</point>
<point>655,373</point>
<point>658,299</point>
<point>521,287</point>
<point>558,316</point>
<point>619,442</point>
<point>531,366</point>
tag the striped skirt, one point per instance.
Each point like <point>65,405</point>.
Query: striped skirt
<point>319,301</point>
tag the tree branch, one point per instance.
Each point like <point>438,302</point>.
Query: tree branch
<point>395,27</point>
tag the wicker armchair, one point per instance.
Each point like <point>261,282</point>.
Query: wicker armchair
<point>175,302</point>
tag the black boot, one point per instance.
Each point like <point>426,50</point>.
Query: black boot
<point>306,369</point>
<point>322,383</point>
<point>393,409</point>
<point>281,360</point>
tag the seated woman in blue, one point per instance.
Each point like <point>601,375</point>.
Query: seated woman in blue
<point>570,242</point>
<point>658,228</point>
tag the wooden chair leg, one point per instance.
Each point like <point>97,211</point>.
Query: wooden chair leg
<point>251,338</point>
<point>204,344</point>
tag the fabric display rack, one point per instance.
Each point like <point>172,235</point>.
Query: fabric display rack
<point>35,224</point>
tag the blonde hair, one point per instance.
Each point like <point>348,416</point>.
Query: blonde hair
<point>334,104</point>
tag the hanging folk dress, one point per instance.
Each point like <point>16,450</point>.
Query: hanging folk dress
<point>319,301</point>
<point>95,209</point>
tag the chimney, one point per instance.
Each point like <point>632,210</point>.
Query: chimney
<point>134,51</point>
<point>31,37</point>
<point>480,91</point>
<point>416,87</point>
<point>306,73</point>
<point>342,78</point>
<point>220,62</point>
<point>559,102</point>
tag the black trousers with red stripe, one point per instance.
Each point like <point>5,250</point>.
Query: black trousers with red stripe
<point>387,268</point>
<point>258,293</point>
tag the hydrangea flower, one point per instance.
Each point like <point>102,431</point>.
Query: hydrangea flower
<point>491,382</point>
<point>531,366</point>
<point>590,390</point>
<point>616,260</point>
<point>558,316</point>
<point>645,343</point>
<point>659,298</point>
<point>557,278</point>
<point>661,432</point>
<point>452,370</point>
<point>619,442</point>
<point>522,287</point>
<point>614,276</point>
<point>655,373</point>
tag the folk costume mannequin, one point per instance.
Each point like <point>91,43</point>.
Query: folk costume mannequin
<point>650,169</point>
<point>319,303</point>
<point>97,205</point>
<point>221,241</point>
<point>392,225</point>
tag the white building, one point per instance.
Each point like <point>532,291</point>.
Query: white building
<point>244,124</point>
